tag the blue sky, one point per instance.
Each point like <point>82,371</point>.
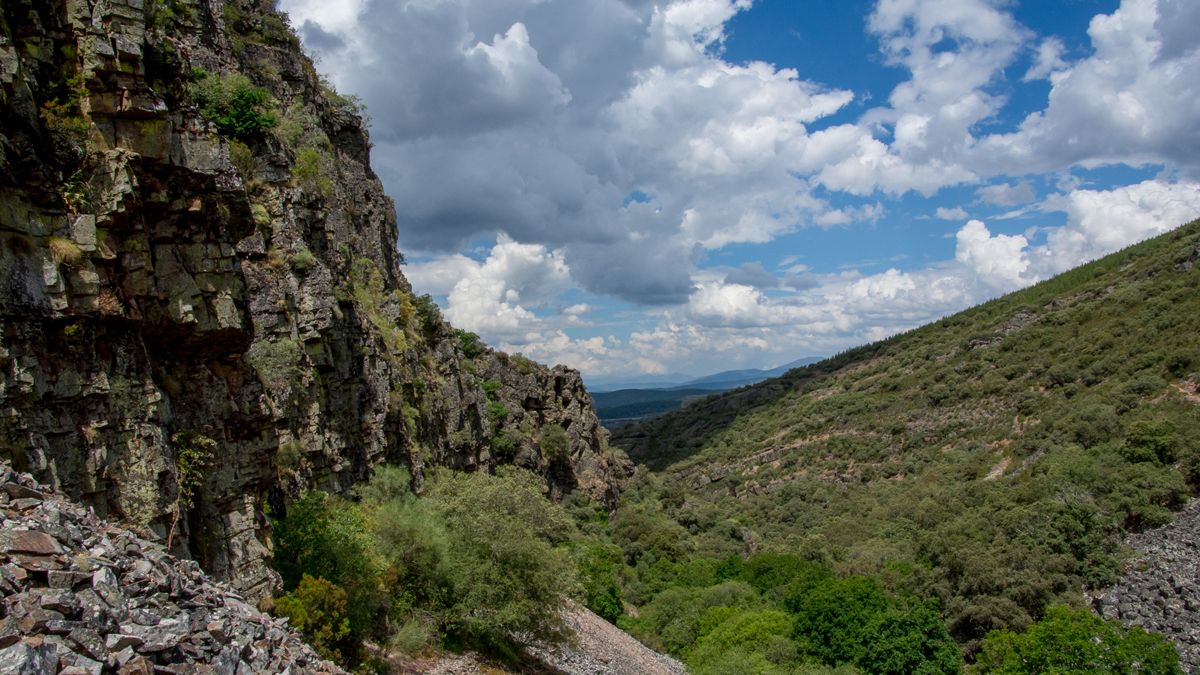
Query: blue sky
<point>640,187</point>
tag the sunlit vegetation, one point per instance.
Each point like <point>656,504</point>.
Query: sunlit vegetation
<point>1075,641</point>
<point>986,465</point>
<point>477,560</point>
<point>238,108</point>
<point>926,504</point>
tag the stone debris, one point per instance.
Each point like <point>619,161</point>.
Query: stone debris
<point>81,596</point>
<point>1160,587</point>
<point>600,648</point>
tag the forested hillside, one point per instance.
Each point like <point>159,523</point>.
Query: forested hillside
<point>988,463</point>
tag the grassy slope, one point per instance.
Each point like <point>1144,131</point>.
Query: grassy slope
<point>991,459</point>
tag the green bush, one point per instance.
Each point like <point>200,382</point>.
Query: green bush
<point>506,573</point>
<point>327,537</point>
<point>317,609</point>
<point>1069,640</point>
<point>428,313</point>
<point>747,631</point>
<point>311,171</point>
<point>506,443</point>
<point>237,107</point>
<point>833,619</point>
<point>910,640</point>
<point>303,259</point>
<point>553,441</point>
<point>599,566</point>
<point>1151,441</point>
<point>279,363</point>
<point>776,571</point>
<point>469,343</point>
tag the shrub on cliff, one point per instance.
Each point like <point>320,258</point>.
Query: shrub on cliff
<point>507,573</point>
<point>326,537</point>
<point>237,107</point>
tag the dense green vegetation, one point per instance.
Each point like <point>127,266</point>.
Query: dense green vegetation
<point>988,462</point>
<point>474,561</point>
<point>626,404</point>
<point>935,499</point>
<point>1075,641</point>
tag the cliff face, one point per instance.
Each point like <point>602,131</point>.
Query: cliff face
<point>200,294</point>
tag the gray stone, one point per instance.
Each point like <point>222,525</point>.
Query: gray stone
<point>18,491</point>
<point>89,642</point>
<point>119,641</point>
<point>10,633</point>
<point>61,601</point>
<point>22,659</point>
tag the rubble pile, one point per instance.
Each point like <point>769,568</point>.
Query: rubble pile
<point>1160,587</point>
<point>83,596</point>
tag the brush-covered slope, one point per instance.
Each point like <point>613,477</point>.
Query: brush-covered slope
<point>201,304</point>
<point>991,459</point>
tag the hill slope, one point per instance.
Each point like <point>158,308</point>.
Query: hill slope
<point>626,405</point>
<point>992,459</point>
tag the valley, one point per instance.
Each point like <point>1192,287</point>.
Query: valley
<point>235,438</point>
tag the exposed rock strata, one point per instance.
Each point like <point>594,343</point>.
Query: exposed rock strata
<point>82,596</point>
<point>160,283</point>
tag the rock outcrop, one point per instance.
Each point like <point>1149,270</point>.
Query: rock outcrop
<point>1160,587</point>
<point>83,596</point>
<point>201,302</point>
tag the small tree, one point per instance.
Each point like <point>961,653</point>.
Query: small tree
<point>553,442</point>
<point>193,454</point>
<point>317,608</point>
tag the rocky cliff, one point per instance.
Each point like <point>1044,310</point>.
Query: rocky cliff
<point>201,302</point>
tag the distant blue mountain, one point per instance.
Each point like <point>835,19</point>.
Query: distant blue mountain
<point>611,383</point>
<point>619,402</point>
<point>731,379</point>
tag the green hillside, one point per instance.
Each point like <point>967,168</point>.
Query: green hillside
<point>631,404</point>
<point>989,462</point>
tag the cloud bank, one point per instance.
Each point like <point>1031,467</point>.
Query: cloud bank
<point>609,155</point>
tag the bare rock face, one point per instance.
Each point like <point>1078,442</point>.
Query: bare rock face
<point>82,596</point>
<point>200,318</point>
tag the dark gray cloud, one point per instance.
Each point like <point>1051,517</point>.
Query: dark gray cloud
<point>752,274</point>
<point>320,39</point>
<point>640,272</point>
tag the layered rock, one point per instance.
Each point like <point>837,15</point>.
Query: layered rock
<point>83,596</point>
<point>182,303</point>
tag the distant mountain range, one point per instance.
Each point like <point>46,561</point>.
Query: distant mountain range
<point>620,401</point>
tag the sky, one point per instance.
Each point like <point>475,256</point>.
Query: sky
<point>686,186</point>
